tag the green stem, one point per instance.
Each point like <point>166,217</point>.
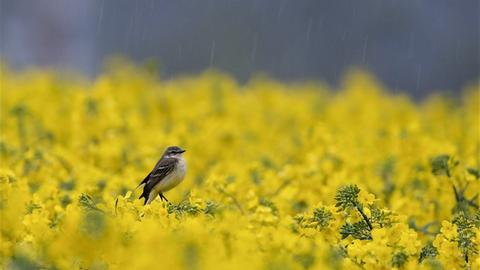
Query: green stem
<point>359,209</point>
<point>235,201</point>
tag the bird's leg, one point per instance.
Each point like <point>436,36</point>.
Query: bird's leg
<point>162,197</point>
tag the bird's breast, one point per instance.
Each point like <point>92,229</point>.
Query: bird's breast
<point>174,178</point>
<point>181,168</point>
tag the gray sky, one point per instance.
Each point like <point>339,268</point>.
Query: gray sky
<point>412,45</point>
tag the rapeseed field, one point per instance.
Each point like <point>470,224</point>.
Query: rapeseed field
<point>280,175</point>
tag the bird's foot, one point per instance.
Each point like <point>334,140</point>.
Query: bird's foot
<point>162,197</point>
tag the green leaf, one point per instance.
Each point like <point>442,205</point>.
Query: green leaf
<point>22,262</point>
<point>94,223</point>
<point>381,217</point>
<point>476,219</point>
<point>474,172</point>
<point>466,233</point>
<point>463,221</point>
<point>440,165</point>
<point>265,202</point>
<point>322,217</point>
<point>32,206</point>
<point>428,251</point>
<point>358,230</point>
<point>306,260</point>
<point>399,259</point>
<point>210,208</point>
<point>67,185</point>
<point>87,203</point>
<point>347,197</point>
<point>183,208</point>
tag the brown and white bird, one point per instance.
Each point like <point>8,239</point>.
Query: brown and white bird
<point>167,174</point>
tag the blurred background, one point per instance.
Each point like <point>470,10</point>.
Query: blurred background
<point>417,46</point>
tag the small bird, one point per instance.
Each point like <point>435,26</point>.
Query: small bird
<point>167,174</point>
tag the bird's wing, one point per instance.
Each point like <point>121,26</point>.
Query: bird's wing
<point>163,168</point>
<point>145,180</point>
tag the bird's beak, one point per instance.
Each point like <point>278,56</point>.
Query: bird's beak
<point>183,151</point>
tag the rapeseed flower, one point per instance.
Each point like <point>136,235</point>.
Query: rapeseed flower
<point>281,176</point>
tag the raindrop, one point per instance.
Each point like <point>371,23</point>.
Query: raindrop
<point>254,6</point>
<point>419,76</point>
<point>280,8</point>
<point>364,53</point>
<point>254,49</point>
<point>309,28</point>
<point>100,17</point>
<point>128,32</point>
<point>457,50</point>
<point>180,51</point>
<point>212,52</point>
<point>410,45</point>
<point>142,37</point>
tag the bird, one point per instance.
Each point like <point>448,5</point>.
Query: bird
<point>167,174</point>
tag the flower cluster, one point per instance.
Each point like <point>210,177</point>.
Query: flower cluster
<point>280,176</point>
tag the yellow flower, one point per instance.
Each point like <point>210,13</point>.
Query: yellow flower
<point>449,230</point>
<point>265,162</point>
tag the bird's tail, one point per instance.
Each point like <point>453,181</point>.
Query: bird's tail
<point>146,189</point>
<point>145,195</point>
<point>145,180</point>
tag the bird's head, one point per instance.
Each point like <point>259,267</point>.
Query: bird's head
<point>173,151</point>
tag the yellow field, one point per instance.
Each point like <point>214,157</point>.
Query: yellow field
<point>280,176</point>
